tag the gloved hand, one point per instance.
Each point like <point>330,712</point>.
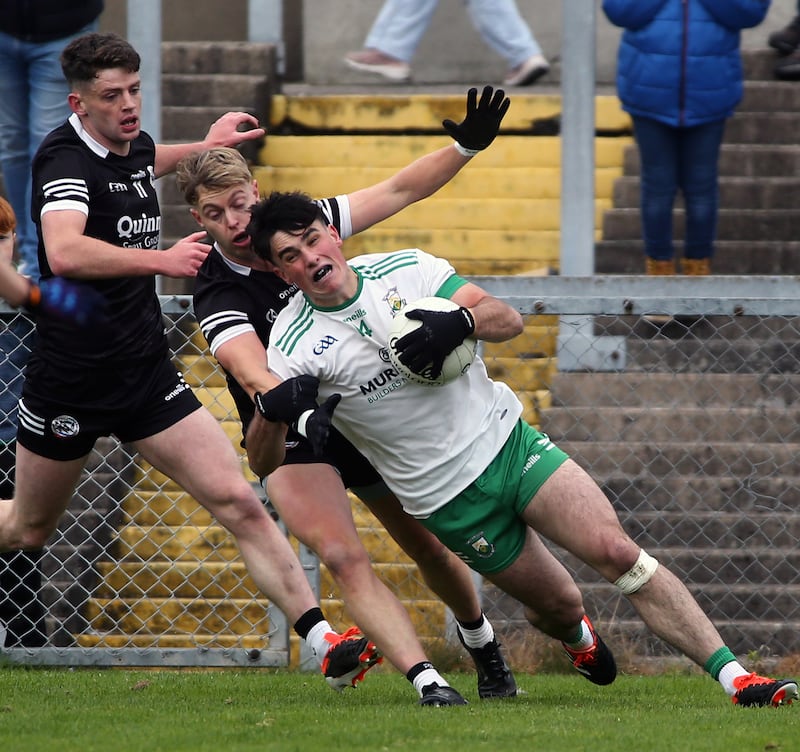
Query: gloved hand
<point>67,300</point>
<point>286,402</point>
<point>481,123</point>
<point>316,424</point>
<point>294,402</point>
<point>440,333</point>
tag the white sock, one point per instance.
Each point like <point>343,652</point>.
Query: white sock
<point>477,638</point>
<point>728,673</point>
<point>316,640</point>
<point>426,677</point>
<point>586,639</point>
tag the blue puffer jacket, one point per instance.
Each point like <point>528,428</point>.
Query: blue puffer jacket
<point>679,60</point>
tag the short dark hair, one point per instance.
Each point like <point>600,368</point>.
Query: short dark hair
<point>90,53</point>
<point>291,212</point>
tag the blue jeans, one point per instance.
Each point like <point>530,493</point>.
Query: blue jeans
<point>672,159</point>
<point>33,101</point>
<point>401,24</point>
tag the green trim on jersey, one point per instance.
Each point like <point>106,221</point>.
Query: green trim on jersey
<point>448,289</point>
<point>391,263</point>
<point>296,329</point>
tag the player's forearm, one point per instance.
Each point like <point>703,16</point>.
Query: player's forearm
<point>266,445</point>
<point>495,321</point>
<point>426,175</point>
<point>90,258</point>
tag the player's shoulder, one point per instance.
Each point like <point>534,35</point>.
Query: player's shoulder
<point>292,324</point>
<point>380,264</point>
<point>215,281</point>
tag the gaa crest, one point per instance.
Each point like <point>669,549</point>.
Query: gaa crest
<point>481,546</point>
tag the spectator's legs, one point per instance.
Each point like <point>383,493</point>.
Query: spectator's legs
<point>698,162</point>
<point>504,30</point>
<point>657,145</point>
<point>400,26</point>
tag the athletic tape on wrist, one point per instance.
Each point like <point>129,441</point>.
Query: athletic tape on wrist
<point>463,151</point>
<point>302,422</point>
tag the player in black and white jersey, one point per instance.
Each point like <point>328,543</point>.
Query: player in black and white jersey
<point>237,298</point>
<point>98,221</point>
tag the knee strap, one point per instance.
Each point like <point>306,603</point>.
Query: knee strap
<point>638,574</point>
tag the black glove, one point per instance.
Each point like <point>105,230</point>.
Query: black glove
<point>441,332</point>
<point>294,402</point>
<point>67,300</point>
<point>482,122</point>
<point>289,400</point>
<point>316,424</point>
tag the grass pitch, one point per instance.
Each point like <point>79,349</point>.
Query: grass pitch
<point>90,710</point>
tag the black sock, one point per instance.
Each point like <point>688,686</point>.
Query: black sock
<point>311,617</point>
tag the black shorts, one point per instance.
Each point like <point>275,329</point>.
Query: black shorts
<point>353,466</point>
<point>63,412</point>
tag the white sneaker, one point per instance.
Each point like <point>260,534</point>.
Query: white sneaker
<point>374,61</point>
<point>527,72</point>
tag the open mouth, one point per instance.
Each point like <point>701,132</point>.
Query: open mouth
<point>130,122</point>
<point>241,239</point>
<point>322,272</point>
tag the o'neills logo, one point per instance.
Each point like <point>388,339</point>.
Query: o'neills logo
<point>65,426</point>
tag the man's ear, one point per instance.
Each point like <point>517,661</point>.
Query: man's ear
<point>196,215</point>
<point>334,233</point>
<point>75,102</point>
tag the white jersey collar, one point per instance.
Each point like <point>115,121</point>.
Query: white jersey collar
<point>84,136</point>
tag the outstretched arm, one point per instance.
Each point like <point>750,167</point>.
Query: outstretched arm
<point>428,174</point>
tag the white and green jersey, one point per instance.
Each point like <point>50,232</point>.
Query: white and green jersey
<point>427,442</point>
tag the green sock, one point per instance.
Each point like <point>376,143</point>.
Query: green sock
<point>715,663</point>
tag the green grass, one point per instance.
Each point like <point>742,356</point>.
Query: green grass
<point>111,710</point>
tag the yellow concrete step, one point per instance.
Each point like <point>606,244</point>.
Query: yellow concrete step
<point>155,616</point>
<point>172,508</point>
<point>528,374</point>
<point>477,252</point>
<point>164,615</point>
<point>424,111</point>
<point>219,580</point>
<point>200,370</point>
<point>473,182</point>
<point>428,616</point>
<point>536,340</point>
<point>188,542</point>
<point>398,150</point>
<point>489,214</point>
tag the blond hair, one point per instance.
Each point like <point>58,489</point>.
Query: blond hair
<point>214,170</point>
<point>8,220</point>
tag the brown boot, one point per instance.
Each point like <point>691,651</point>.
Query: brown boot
<point>697,267</point>
<point>656,268</point>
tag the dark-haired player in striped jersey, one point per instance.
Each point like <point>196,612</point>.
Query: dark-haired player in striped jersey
<point>236,300</point>
<point>98,220</point>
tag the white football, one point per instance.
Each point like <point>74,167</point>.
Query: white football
<point>455,364</point>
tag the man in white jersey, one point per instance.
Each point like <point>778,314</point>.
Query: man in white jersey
<point>236,299</point>
<point>98,220</point>
<point>459,457</point>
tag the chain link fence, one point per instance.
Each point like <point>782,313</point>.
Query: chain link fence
<point>680,396</point>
